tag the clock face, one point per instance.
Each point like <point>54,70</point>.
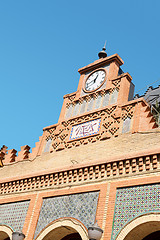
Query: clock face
<point>95,80</point>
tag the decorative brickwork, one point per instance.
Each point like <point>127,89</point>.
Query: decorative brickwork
<point>91,102</point>
<point>14,214</point>
<point>10,156</point>
<point>1,159</point>
<point>116,83</point>
<point>128,111</point>
<point>84,174</point>
<point>133,202</point>
<point>114,120</point>
<point>110,126</point>
<point>3,151</point>
<point>24,153</point>
<point>80,206</point>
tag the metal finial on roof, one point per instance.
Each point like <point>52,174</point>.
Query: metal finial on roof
<point>103,54</point>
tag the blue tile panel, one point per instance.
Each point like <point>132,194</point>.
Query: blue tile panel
<point>133,202</point>
<point>14,214</point>
<point>80,206</point>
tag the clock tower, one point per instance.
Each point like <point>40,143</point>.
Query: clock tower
<point>101,108</point>
<point>102,83</point>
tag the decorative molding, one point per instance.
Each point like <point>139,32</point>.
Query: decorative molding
<point>128,111</point>
<point>110,124</point>
<point>80,175</point>
<point>93,95</point>
<point>113,123</point>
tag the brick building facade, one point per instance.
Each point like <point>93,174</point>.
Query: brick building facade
<point>100,162</point>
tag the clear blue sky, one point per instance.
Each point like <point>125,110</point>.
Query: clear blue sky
<point>44,43</point>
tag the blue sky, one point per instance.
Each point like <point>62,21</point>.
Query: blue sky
<point>44,43</point>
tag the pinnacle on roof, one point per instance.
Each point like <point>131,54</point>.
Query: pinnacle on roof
<point>103,54</point>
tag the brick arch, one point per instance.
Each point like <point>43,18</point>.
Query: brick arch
<point>140,227</point>
<point>5,232</point>
<point>60,227</point>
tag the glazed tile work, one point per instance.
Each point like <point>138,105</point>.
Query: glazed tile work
<point>133,202</point>
<point>80,206</point>
<point>85,129</point>
<point>14,214</point>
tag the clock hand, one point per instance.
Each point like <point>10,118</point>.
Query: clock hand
<point>95,78</point>
<point>90,83</point>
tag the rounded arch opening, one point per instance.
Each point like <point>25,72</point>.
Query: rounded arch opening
<point>72,236</point>
<point>141,228</point>
<point>63,233</point>
<point>153,236</point>
<point>5,232</point>
<point>64,229</point>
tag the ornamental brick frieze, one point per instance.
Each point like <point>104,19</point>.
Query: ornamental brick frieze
<point>128,111</point>
<point>70,97</point>
<point>94,95</point>
<point>114,120</point>
<point>50,133</point>
<point>109,170</point>
<point>109,126</point>
<point>116,83</point>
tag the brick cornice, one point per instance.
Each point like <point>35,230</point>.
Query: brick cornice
<point>100,62</point>
<point>122,157</point>
<point>139,163</point>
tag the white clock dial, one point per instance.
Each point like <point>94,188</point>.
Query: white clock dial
<point>95,80</point>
